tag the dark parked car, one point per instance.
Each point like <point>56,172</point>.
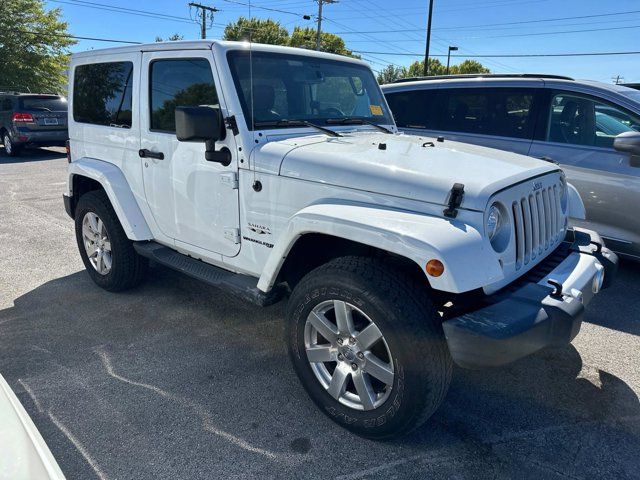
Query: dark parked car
<point>28,120</point>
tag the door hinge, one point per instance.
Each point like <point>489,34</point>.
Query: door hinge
<point>230,179</point>
<point>230,122</point>
<point>232,234</point>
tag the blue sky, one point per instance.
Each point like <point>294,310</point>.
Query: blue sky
<point>396,27</point>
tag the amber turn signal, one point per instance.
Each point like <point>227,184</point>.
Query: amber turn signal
<point>434,268</point>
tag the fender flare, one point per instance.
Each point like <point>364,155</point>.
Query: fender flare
<point>117,189</point>
<point>576,205</point>
<point>469,261</point>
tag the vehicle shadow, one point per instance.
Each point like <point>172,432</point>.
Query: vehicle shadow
<point>192,380</point>
<point>31,155</point>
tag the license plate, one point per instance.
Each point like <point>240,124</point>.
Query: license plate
<point>51,121</point>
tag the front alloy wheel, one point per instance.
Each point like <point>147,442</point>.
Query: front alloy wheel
<point>367,344</point>
<point>348,355</point>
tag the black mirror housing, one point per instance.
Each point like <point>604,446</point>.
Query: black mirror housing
<point>199,124</point>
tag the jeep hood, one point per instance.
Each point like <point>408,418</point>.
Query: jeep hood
<point>406,166</point>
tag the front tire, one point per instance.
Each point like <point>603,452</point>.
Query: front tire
<point>368,346</point>
<point>107,253</point>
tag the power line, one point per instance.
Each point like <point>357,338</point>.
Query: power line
<point>47,34</point>
<point>509,55</point>
<point>266,8</point>
<point>128,11</point>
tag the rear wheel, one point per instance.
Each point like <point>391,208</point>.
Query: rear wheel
<point>107,253</point>
<point>10,148</point>
<point>368,346</point>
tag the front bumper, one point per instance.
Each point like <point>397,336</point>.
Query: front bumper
<point>532,313</point>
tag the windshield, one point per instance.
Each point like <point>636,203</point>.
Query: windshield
<point>610,126</point>
<point>48,104</point>
<point>298,87</point>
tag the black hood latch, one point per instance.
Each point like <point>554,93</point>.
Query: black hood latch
<point>455,200</point>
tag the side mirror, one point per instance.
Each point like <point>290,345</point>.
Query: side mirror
<point>629,142</point>
<point>199,124</point>
<point>203,124</point>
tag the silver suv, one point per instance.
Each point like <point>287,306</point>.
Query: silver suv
<point>573,123</point>
<point>32,120</point>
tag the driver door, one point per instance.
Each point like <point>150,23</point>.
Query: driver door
<point>194,201</point>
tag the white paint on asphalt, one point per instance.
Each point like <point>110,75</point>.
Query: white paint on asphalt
<point>31,394</point>
<point>207,421</point>
<point>76,443</point>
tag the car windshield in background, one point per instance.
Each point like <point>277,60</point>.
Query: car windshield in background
<point>295,87</point>
<point>47,104</point>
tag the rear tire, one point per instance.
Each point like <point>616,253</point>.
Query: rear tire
<point>107,253</point>
<point>410,344</point>
<point>10,148</point>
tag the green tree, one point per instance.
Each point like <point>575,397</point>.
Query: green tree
<point>172,38</point>
<point>389,74</point>
<point>262,31</point>
<point>329,42</point>
<point>469,66</point>
<point>416,69</point>
<point>34,47</point>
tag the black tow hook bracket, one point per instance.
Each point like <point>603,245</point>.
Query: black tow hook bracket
<point>428,144</point>
<point>598,246</point>
<point>557,289</point>
<point>455,200</point>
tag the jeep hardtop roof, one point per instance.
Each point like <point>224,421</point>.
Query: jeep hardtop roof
<point>209,44</point>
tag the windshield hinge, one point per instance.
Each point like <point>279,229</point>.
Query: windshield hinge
<point>455,200</point>
<point>230,122</point>
<point>230,179</point>
<point>232,234</point>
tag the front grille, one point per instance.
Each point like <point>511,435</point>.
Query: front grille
<point>538,222</point>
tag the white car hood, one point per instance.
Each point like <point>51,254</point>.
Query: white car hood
<point>404,166</point>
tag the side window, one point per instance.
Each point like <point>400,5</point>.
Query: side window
<point>414,109</point>
<point>6,105</point>
<point>580,120</point>
<point>498,111</point>
<point>102,94</point>
<point>178,83</point>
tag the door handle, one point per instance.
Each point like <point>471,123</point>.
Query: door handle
<point>144,153</point>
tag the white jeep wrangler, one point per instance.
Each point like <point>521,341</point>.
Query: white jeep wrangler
<point>275,172</point>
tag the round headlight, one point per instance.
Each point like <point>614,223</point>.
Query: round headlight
<point>494,221</point>
<point>564,193</point>
<point>497,227</point>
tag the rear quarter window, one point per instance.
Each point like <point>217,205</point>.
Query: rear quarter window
<point>102,94</point>
<point>414,109</point>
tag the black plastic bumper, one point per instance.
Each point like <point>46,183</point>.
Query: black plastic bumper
<point>520,322</point>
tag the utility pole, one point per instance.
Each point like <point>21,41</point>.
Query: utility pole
<point>319,31</point>
<point>451,49</point>
<point>203,14</point>
<point>617,79</point>
<point>426,53</point>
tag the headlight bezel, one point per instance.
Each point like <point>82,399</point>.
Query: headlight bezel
<point>500,234</point>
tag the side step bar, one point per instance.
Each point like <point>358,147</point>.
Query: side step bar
<point>242,286</point>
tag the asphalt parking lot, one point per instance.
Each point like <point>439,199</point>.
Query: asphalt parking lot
<point>178,380</point>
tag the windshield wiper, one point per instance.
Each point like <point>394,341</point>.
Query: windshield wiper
<point>357,121</point>
<point>296,123</point>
